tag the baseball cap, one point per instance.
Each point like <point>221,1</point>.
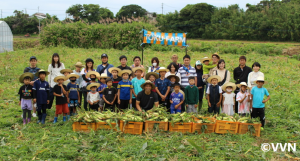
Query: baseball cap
<point>198,62</point>
<point>104,55</point>
<point>32,57</point>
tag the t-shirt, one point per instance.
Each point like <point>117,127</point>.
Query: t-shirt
<point>26,92</point>
<point>116,81</point>
<point>244,106</point>
<point>176,98</point>
<point>162,85</point>
<point>258,96</point>
<point>33,71</point>
<point>147,101</point>
<point>136,83</point>
<point>125,88</point>
<point>109,93</point>
<point>126,67</point>
<point>185,76</point>
<point>102,86</point>
<point>73,89</point>
<point>60,100</point>
<point>42,89</point>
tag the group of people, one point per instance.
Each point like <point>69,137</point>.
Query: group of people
<point>179,87</point>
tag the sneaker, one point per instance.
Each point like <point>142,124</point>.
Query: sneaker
<point>33,114</point>
<point>261,129</point>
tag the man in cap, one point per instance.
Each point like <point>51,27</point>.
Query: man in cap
<point>103,68</point>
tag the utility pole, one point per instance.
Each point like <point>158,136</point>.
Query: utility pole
<point>38,9</point>
<point>162,8</point>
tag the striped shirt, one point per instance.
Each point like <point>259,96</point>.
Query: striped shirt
<point>125,88</point>
<point>185,76</point>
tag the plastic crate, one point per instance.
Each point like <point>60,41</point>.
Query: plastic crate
<point>243,128</point>
<point>223,127</point>
<point>209,118</point>
<point>198,126</point>
<point>181,127</point>
<point>153,125</point>
<point>132,127</point>
<point>106,126</point>
<point>81,126</point>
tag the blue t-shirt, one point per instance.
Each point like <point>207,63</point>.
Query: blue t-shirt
<point>258,96</point>
<point>162,85</point>
<point>176,98</point>
<point>41,88</point>
<point>125,88</point>
<point>73,89</point>
<point>136,83</point>
<point>102,86</point>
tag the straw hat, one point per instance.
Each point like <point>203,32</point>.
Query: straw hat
<point>93,73</point>
<point>261,79</point>
<point>79,64</point>
<point>104,75</point>
<point>242,84</point>
<point>114,68</point>
<point>147,82</point>
<point>138,68</point>
<point>205,58</point>
<point>216,54</point>
<point>24,75</point>
<point>162,69</point>
<point>66,70</point>
<point>60,77</point>
<point>93,85</point>
<point>73,75</point>
<point>124,71</point>
<point>173,75</point>
<point>212,77</point>
<point>229,84</point>
<point>151,73</point>
<point>41,71</point>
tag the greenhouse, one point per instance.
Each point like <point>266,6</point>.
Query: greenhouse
<point>6,38</point>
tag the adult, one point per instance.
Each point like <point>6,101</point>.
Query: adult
<point>89,66</point>
<point>222,72</point>
<point>103,68</point>
<point>174,59</point>
<point>123,61</point>
<point>54,69</point>
<point>215,59</point>
<point>137,63</point>
<point>146,99</point>
<point>155,65</point>
<point>252,77</point>
<point>200,83</point>
<point>173,69</point>
<point>240,74</point>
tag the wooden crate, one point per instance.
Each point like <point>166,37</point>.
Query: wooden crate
<point>198,126</point>
<point>132,127</point>
<point>81,126</point>
<point>181,127</point>
<point>106,126</point>
<point>223,127</point>
<point>243,128</point>
<point>150,126</point>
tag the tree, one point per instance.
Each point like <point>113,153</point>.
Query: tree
<point>106,13</point>
<point>75,11</point>
<point>131,10</point>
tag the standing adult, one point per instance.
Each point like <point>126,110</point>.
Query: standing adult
<point>252,77</point>
<point>103,68</point>
<point>146,99</point>
<point>155,65</point>
<point>174,59</point>
<point>54,69</point>
<point>222,72</point>
<point>137,63</point>
<point>215,59</point>
<point>123,61</point>
<point>240,74</point>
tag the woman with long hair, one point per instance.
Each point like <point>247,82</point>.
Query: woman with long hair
<point>222,72</point>
<point>89,66</point>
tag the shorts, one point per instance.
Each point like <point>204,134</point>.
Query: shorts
<point>73,103</point>
<point>94,106</point>
<point>63,108</point>
<point>26,104</point>
<point>173,110</point>
<point>101,102</point>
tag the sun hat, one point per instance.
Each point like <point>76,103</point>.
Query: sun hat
<point>66,70</point>
<point>229,84</point>
<point>151,73</point>
<point>148,82</point>
<point>93,73</point>
<point>212,77</point>
<point>162,69</point>
<point>104,75</point>
<point>79,64</point>
<point>60,77</point>
<point>138,68</point>
<point>114,68</point>
<point>173,75</point>
<point>242,84</point>
<point>24,75</point>
<point>204,59</point>
<point>41,71</point>
<point>73,75</point>
<point>93,85</point>
<point>260,79</point>
<point>198,62</point>
<point>216,54</point>
<point>124,71</point>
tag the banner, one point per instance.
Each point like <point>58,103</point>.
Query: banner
<point>176,39</point>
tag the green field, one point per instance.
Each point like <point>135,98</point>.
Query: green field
<point>59,142</point>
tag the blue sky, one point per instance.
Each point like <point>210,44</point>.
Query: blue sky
<point>58,7</point>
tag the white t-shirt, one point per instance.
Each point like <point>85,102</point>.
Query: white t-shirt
<point>229,98</point>
<point>208,91</point>
<point>54,72</point>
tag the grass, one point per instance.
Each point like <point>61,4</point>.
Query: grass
<point>59,142</point>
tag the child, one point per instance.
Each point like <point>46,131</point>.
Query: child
<point>73,93</point>
<point>93,96</point>
<point>214,94</point>
<point>173,79</point>
<point>77,71</point>
<point>103,85</point>
<point>152,76</point>
<point>115,78</point>
<point>124,90</point>
<point>176,99</point>
<point>243,97</point>
<point>26,96</point>
<point>136,83</point>
<point>191,96</point>
<point>41,90</point>
<point>228,98</point>
<point>163,87</point>
<point>60,91</point>
<point>258,106</point>
<point>206,67</point>
<point>66,72</point>
<point>110,95</point>
<point>93,75</point>
<point>200,83</point>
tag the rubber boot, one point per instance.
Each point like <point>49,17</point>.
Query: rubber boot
<point>39,118</point>
<point>55,120</point>
<point>68,117</point>
<point>24,121</point>
<point>64,118</point>
<point>44,118</point>
<point>28,120</point>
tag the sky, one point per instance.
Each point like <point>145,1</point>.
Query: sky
<point>59,7</point>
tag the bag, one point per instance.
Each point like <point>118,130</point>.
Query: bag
<point>103,69</point>
<point>223,81</point>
